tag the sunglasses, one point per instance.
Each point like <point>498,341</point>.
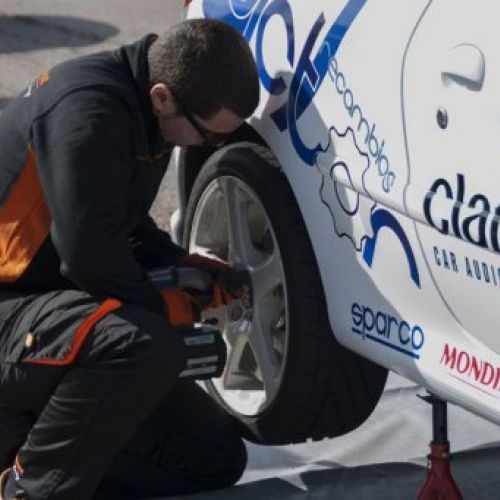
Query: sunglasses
<point>213,139</point>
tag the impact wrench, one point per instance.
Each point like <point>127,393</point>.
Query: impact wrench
<point>206,348</point>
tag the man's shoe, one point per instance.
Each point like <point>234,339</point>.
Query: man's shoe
<point>4,479</point>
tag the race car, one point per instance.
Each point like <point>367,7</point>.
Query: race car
<point>362,199</point>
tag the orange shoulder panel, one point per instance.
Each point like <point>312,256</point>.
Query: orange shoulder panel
<point>24,222</point>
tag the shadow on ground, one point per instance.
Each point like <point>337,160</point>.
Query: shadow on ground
<point>475,471</point>
<point>27,33</point>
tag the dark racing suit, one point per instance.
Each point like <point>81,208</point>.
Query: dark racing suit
<point>88,360</point>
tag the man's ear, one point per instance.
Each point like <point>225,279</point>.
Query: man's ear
<point>163,101</point>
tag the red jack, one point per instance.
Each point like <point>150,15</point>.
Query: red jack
<point>440,484</point>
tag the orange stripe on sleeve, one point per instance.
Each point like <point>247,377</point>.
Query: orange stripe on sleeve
<point>18,465</point>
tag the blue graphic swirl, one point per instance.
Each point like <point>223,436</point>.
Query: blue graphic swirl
<point>243,15</point>
<point>280,8</point>
<point>382,218</point>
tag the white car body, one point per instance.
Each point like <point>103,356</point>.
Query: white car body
<point>383,115</point>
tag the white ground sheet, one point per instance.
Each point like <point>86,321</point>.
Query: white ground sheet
<point>385,458</point>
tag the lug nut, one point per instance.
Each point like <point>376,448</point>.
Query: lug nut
<point>236,313</point>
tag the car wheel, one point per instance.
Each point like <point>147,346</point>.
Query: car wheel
<point>287,379</point>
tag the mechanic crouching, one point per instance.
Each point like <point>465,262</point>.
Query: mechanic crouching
<point>92,347</point>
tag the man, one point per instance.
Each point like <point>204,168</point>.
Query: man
<point>89,357</point>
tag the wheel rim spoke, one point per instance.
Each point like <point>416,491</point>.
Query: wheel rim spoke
<point>265,355</point>
<point>267,276</point>
<point>209,232</point>
<point>241,248</point>
<point>235,377</point>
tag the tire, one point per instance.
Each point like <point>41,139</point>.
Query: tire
<point>318,389</point>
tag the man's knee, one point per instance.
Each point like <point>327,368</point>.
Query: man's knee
<point>227,457</point>
<point>138,339</point>
<point>238,458</point>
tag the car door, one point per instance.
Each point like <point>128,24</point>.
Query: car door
<point>451,96</point>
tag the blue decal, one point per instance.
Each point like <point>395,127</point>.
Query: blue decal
<point>382,218</point>
<point>317,70</point>
<point>309,75</point>
<point>282,9</point>
<point>388,330</point>
<point>243,15</point>
<point>388,344</point>
<point>373,143</point>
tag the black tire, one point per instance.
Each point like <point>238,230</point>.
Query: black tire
<point>326,390</point>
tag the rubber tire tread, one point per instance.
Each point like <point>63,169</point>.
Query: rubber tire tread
<point>326,390</point>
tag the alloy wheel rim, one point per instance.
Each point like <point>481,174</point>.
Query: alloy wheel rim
<point>230,223</point>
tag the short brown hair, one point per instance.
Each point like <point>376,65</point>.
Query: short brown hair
<point>207,65</point>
